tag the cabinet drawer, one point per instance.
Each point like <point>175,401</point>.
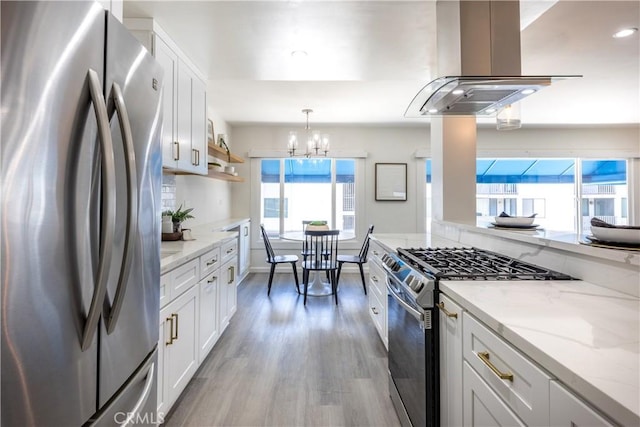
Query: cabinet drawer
<point>229,250</point>
<point>210,262</point>
<point>567,410</point>
<point>526,392</point>
<point>184,277</point>
<point>375,251</point>
<point>377,280</point>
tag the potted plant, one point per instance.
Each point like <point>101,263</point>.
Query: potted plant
<point>178,216</point>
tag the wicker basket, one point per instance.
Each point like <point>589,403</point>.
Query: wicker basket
<point>171,237</point>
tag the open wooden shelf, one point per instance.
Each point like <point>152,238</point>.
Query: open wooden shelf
<point>221,153</point>
<point>224,176</point>
<point>211,174</point>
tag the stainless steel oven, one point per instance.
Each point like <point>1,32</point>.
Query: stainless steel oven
<point>413,277</point>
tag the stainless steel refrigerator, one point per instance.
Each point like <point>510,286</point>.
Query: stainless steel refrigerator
<point>80,217</point>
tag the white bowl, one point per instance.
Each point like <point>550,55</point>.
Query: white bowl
<point>519,221</point>
<point>616,235</point>
<point>229,169</point>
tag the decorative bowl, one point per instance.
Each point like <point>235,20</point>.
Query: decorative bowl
<point>519,221</point>
<point>616,235</point>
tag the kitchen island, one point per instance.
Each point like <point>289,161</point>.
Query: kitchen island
<point>583,334</point>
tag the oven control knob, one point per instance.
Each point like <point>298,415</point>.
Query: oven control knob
<point>416,284</point>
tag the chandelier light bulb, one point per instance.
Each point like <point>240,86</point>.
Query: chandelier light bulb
<point>316,143</point>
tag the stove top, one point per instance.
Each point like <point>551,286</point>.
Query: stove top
<point>474,264</point>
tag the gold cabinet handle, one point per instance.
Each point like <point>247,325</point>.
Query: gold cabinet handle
<point>375,253</point>
<point>170,319</point>
<point>374,310</point>
<point>175,316</point>
<point>446,312</point>
<point>374,278</point>
<point>484,356</point>
<point>246,230</point>
<point>213,261</point>
<point>232,274</point>
<point>229,250</point>
<point>213,279</point>
<point>176,145</point>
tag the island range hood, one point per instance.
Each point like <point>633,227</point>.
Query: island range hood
<point>480,40</point>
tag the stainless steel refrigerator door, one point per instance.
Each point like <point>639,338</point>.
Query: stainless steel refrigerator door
<point>50,212</point>
<point>129,331</point>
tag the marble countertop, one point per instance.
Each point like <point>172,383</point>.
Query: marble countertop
<point>174,254</point>
<point>587,336</point>
<point>222,225</point>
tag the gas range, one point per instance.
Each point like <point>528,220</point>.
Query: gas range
<point>420,269</point>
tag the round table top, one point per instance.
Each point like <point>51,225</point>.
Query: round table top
<point>299,235</point>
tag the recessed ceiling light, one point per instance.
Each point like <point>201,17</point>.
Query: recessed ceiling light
<point>458,92</point>
<point>491,110</point>
<point>625,33</point>
<point>433,110</point>
<point>299,54</point>
<point>528,91</point>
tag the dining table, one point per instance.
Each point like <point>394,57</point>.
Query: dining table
<point>318,287</point>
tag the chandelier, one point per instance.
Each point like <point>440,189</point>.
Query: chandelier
<point>316,144</point>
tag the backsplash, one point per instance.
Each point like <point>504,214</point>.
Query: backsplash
<point>168,192</point>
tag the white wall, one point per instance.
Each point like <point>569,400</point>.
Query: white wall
<point>399,144</point>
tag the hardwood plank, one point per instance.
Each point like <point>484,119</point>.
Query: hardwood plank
<point>280,363</point>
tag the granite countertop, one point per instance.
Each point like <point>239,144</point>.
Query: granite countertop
<point>174,254</point>
<point>587,336</point>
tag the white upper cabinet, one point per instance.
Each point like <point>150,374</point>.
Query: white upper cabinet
<point>184,130</point>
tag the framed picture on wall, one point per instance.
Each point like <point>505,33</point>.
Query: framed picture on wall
<point>391,182</point>
<point>210,139</point>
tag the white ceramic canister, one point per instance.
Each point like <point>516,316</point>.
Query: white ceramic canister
<point>167,224</point>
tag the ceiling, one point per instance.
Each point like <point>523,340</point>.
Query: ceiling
<point>367,59</point>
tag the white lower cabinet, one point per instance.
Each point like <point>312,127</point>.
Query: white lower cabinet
<point>378,293</point>
<point>178,347</point>
<point>482,406</point>
<point>228,292</point>
<point>567,410</point>
<point>198,300</point>
<point>450,328</point>
<point>208,322</point>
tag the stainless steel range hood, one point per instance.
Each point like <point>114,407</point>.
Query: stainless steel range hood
<point>481,41</point>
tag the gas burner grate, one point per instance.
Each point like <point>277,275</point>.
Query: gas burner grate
<point>475,264</point>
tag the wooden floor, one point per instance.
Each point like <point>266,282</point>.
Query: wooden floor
<point>280,363</point>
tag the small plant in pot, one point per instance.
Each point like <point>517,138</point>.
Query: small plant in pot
<point>178,217</point>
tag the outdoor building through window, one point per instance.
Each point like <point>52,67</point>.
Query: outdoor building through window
<point>550,189</point>
<point>300,190</point>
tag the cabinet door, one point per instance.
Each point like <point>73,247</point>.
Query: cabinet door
<point>182,358</point>
<point>169,62</point>
<point>567,410</point>
<point>198,126</point>
<point>450,324</point>
<point>228,293</point>
<point>378,315</point>
<point>245,248</point>
<point>482,407</point>
<point>184,113</point>
<point>208,315</point>
<point>165,336</point>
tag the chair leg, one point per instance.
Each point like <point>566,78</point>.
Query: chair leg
<point>334,285</point>
<point>338,276</point>
<point>295,276</point>
<point>273,268</point>
<point>305,281</point>
<point>364,285</point>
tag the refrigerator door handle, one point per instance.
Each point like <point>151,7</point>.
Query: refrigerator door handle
<point>146,392</point>
<point>108,209</point>
<point>132,204</point>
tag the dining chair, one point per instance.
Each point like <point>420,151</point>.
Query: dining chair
<point>359,259</point>
<point>274,260</point>
<point>323,257</point>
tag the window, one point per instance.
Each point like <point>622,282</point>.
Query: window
<point>307,190</point>
<point>547,187</point>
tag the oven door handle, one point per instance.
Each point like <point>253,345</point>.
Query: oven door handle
<point>412,311</point>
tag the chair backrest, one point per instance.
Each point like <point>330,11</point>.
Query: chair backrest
<point>324,249</point>
<point>365,245</point>
<point>267,244</point>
